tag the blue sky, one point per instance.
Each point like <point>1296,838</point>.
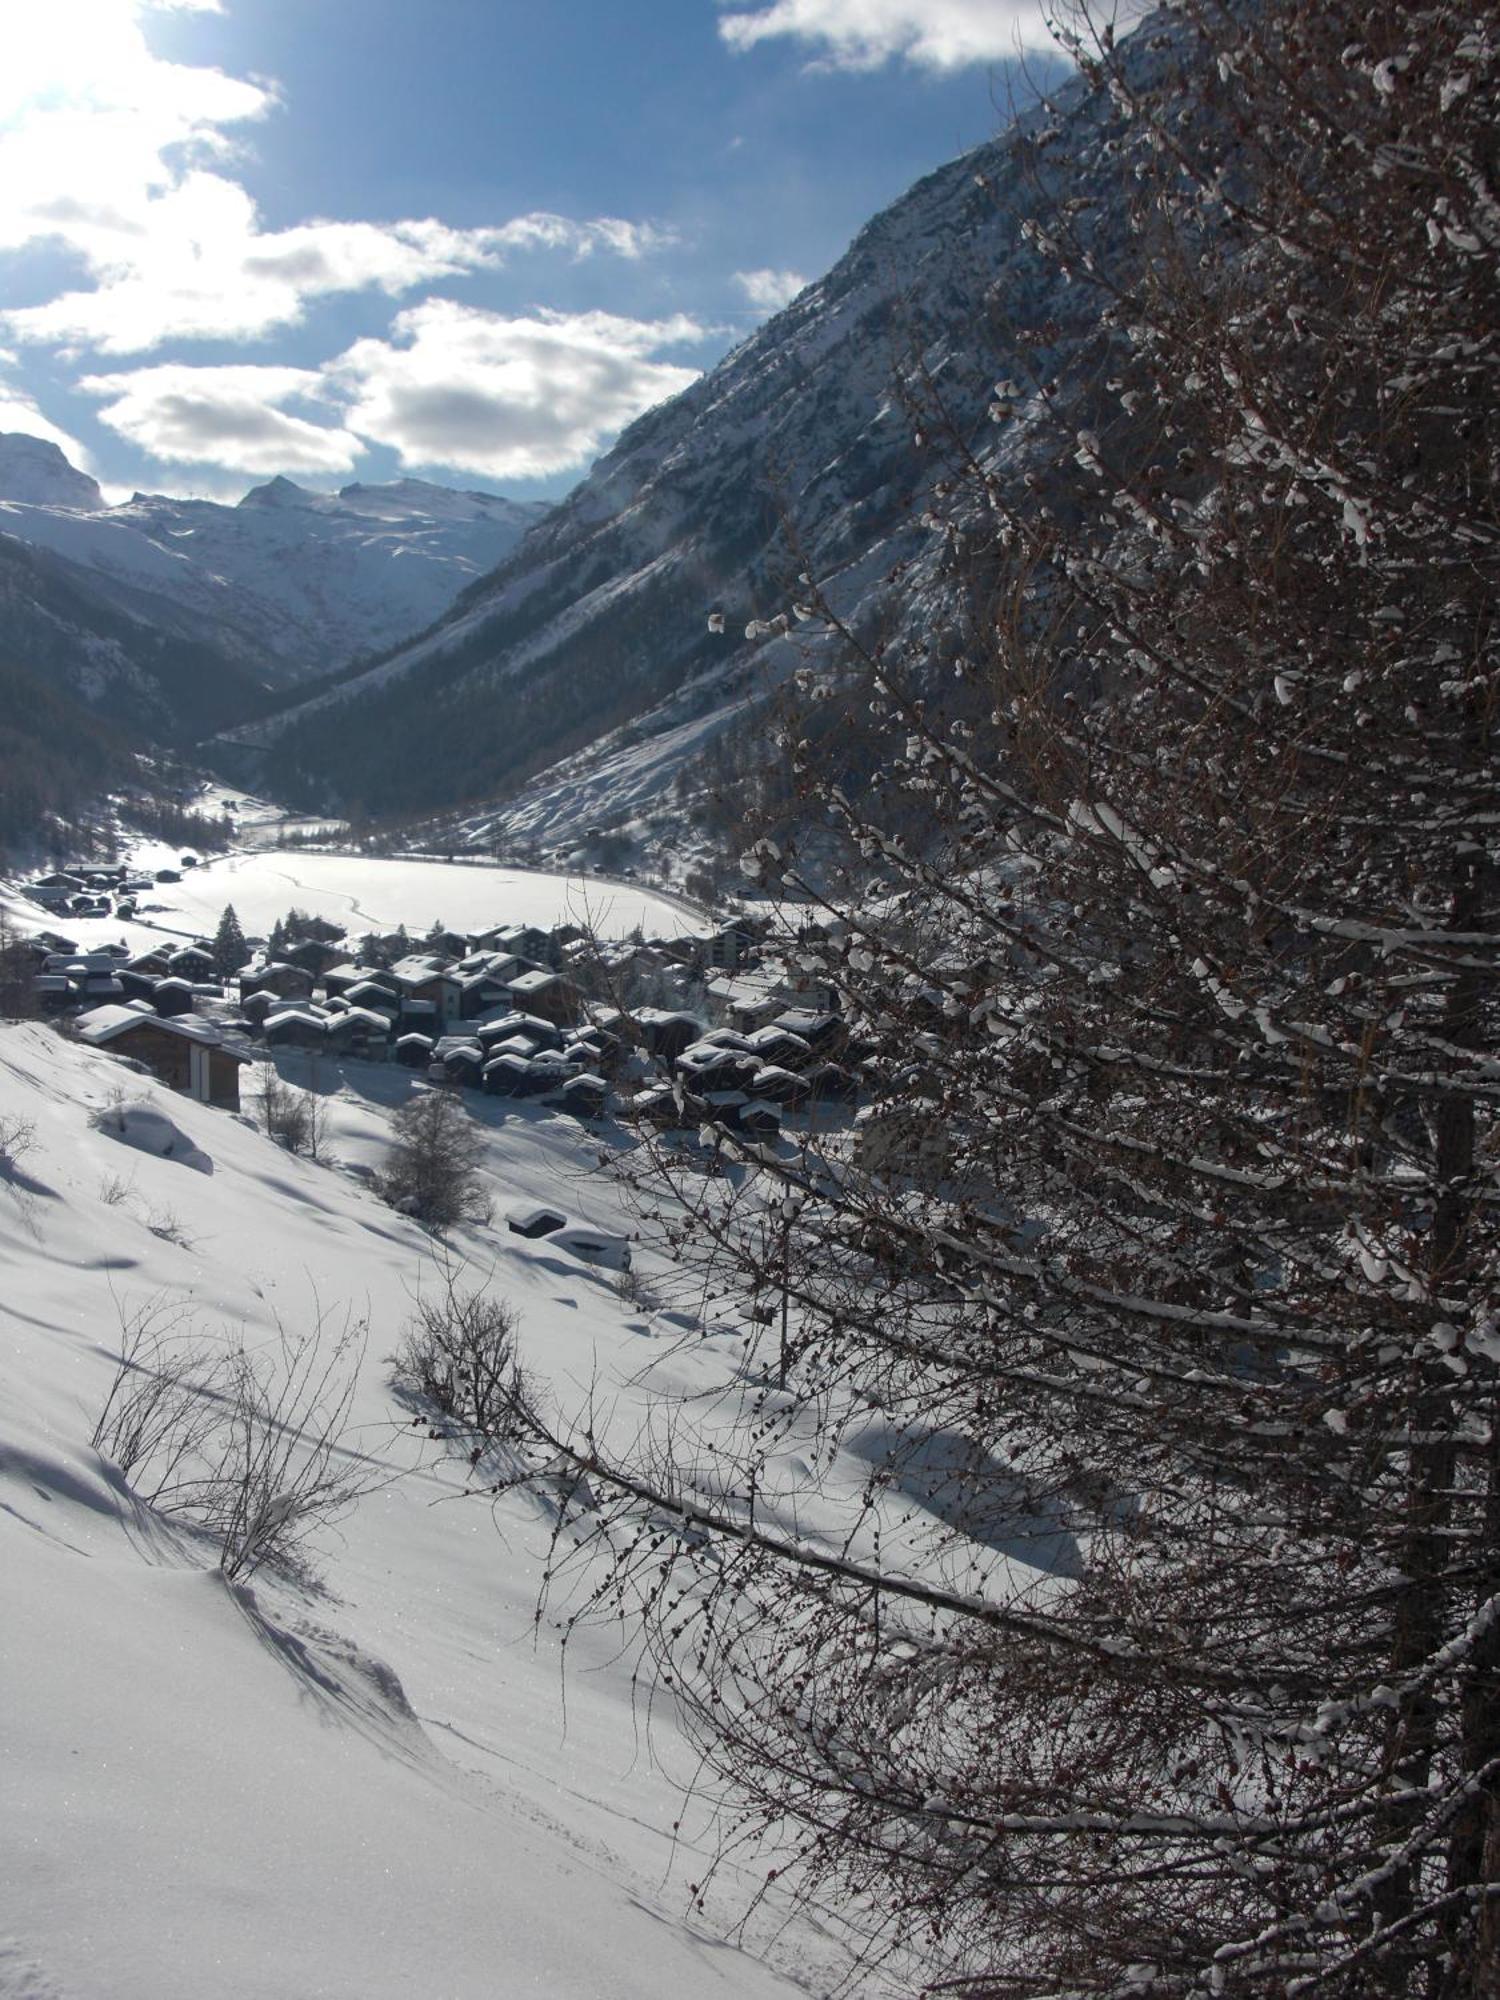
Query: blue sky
<point>467,240</point>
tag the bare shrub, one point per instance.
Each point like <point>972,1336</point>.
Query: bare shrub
<point>169,1227</point>
<point>245,1443</point>
<point>17,1137</point>
<point>162,1406</point>
<point>432,1170</point>
<point>294,1118</point>
<point>282,1469</point>
<point>459,1352</point>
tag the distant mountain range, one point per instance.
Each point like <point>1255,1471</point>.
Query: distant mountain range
<point>177,616</point>
<point>581,680</point>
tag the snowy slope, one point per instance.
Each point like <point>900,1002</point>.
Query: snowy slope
<point>373,1788</point>
<point>292,582</point>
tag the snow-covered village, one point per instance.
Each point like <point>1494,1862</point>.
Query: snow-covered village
<point>749,1001</point>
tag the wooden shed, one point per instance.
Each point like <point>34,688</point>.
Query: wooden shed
<point>185,1053</point>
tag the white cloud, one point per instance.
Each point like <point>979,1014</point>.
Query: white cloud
<point>126,160</point>
<point>507,398</point>
<point>768,291</point>
<point>19,412</point>
<point>228,416</point>
<point>862,34</point>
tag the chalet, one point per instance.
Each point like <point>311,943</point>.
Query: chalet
<point>779,1045</point>
<point>668,1109</point>
<point>513,1045</point>
<point>512,1076</point>
<point>480,992</point>
<point>171,997</point>
<point>825,1034</point>
<point>708,1068</point>
<point>462,1062</point>
<point>192,962</point>
<point>50,895</point>
<point>747,1001</point>
<point>602,1049</point>
<point>666,1035</point>
<point>186,1053</point>
<point>92,978</point>
<point>413,1050</point>
<point>428,980</point>
<point>369,991</point>
<point>337,979</point>
<point>283,981</point>
<point>782,1086</point>
<point>547,993</point>
<point>359,1032</point>
<point>722,949</point>
<point>503,966</point>
<point>296,1028</point>
<point>586,1095</point>
<point>314,955</point>
<point>525,941</point>
<point>542,1034</point>
<point>154,963</point>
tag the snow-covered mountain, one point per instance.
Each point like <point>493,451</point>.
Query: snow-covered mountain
<point>290,583</point>
<point>590,646</point>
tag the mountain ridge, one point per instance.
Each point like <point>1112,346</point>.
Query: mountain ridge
<point>289,583</point>
<point>799,451</point>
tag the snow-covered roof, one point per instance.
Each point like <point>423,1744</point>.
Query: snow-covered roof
<point>106,1024</point>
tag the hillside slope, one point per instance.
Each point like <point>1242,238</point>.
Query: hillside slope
<point>799,452</point>
<point>369,1786</point>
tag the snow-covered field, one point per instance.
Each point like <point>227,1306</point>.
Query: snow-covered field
<point>382,1786</point>
<point>361,893</point>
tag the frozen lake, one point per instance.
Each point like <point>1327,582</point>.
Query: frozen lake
<point>361,893</point>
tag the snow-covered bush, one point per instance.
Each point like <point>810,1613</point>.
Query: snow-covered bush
<point>149,1130</point>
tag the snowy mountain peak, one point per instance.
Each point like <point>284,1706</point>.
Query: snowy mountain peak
<point>287,584</point>
<point>34,473</point>
<point>280,492</point>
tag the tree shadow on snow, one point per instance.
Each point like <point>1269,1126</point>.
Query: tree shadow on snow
<point>967,1489</point>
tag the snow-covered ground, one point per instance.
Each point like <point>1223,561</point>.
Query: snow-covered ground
<point>361,893</point>
<point>383,1786</point>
